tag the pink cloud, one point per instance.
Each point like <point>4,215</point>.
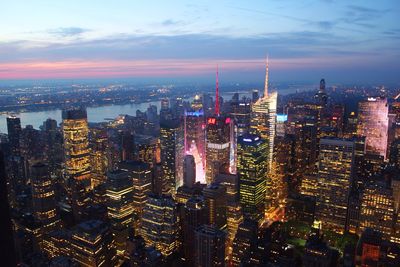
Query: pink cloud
<point>147,68</point>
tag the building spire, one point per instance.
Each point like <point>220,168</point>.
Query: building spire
<point>217,96</point>
<point>266,80</point>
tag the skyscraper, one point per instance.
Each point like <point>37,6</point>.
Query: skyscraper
<point>209,246</point>
<point>377,208</point>
<point>92,244</point>
<point>160,224</point>
<point>119,194</point>
<point>218,148</point>
<point>335,174</point>
<point>263,118</point>
<point>252,171</point>
<point>141,176</point>
<point>373,124</point>
<point>8,253</point>
<point>14,134</point>
<point>321,96</point>
<point>216,200</point>
<point>195,215</point>
<point>218,140</point>
<point>172,152</point>
<point>43,198</point>
<point>189,171</point>
<point>77,157</point>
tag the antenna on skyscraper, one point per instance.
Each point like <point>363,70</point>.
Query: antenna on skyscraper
<point>217,96</point>
<point>266,79</point>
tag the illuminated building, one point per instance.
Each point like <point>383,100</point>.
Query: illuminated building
<point>321,96</point>
<point>350,128</point>
<point>195,215</point>
<point>194,131</point>
<point>218,140</point>
<point>335,172</point>
<point>160,224</point>
<point>197,103</point>
<point>218,148</point>
<point>245,242</point>
<point>92,244</point>
<point>353,212</point>
<point>215,199</point>
<point>373,124</point>
<point>377,208</point>
<point>146,148</point>
<point>336,119</point>
<point>57,243</point>
<point>281,120</point>
<point>119,206</point>
<point>172,152</point>
<point>254,95</point>
<point>77,157</point>
<point>43,198</point>
<point>252,172</point>
<point>241,114</point>
<point>263,119</point>
<point>141,176</point>
<point>189,171</point>
<point>99,154</point>
<point>209,246</point>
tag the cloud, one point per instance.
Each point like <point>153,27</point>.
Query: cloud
<point>186,46</point>
<point>363,16</point>
<point>67,32</point>
<point>171,22</point>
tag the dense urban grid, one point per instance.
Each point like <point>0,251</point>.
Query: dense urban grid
<point>310,179</point>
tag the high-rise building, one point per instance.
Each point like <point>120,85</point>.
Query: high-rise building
<point>245,242</point>
<point>252,171</point>
<point>77,157</point>
<point>43,198</point>
<point>335,173</point>
<point>194,131</point>
<point>209,246</point>
<point>119,194</point>
<point>195,215</point>
<point>218,150</point>
<point>373,124</point>
<point>160,224</point>
<point>216,200</point>
<point>141,176</point>
<point>92,244</point>
<point>100,156</point>
<point>8,253</point>
<point>14,134</point>
<point>189,171</point>
<point>377,208</point>
<point>218,140</point>
<point>172,152</point>
<point>263,118</point>
<point>321,96</point>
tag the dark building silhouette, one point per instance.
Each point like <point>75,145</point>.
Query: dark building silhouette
<point>7,247</point>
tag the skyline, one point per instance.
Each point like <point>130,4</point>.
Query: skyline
<point>342,42</point>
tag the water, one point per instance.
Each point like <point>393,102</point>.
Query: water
<point>95,114</point>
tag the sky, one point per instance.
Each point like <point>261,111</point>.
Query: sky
<point>342,41</point>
